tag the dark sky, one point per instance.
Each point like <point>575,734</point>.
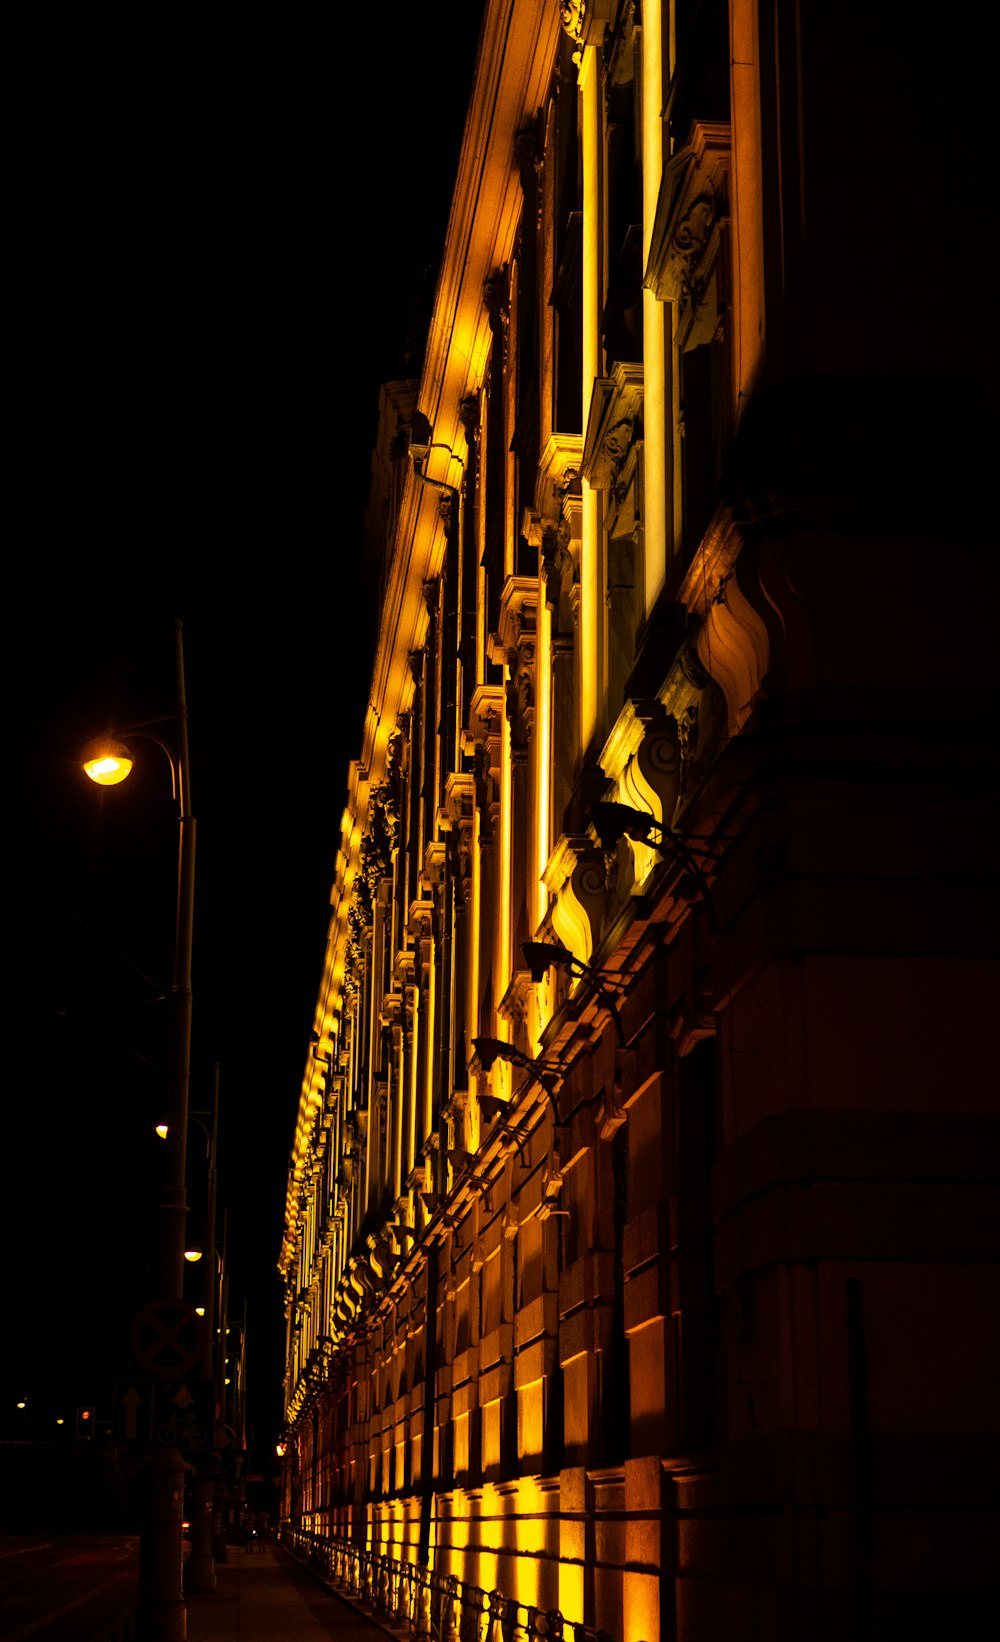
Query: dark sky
<point>222,245</point>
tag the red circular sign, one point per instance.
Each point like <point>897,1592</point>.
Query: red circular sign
<point>167,1338</point>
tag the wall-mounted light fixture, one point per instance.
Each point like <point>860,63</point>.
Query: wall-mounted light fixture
<point>540,956</point>
<point>494,1109</point>
<point>489,1050</point>
<point>612,821</point>
<point>434,1203</point>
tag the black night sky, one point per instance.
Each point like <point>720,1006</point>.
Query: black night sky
<point>222,246</point>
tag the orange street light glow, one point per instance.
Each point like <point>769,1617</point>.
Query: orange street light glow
<point>106,762</point>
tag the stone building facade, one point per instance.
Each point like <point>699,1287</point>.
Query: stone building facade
<point>641,1222</point>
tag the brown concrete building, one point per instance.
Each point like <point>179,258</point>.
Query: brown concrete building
<point>642,1221</point>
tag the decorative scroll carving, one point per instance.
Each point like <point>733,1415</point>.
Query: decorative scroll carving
<point>575,877</point>
<point>642,760</point>
<point>585,21</point>
<point>691,212</point>
<point>642,756</point>
<point>732,643</point>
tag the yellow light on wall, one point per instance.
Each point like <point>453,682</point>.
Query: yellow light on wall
<point>107,762</point>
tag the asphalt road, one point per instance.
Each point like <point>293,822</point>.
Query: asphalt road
<point>66,1587</point>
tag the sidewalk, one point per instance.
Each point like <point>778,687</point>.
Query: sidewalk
<point>269,1597</point>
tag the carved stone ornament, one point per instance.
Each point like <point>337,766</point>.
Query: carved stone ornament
<point>691,212</point>
<point>456,819</point>
<point>642,756</point>
<point>468,415</point>
<point>614,423</point>
<point>585,20</point>
<point>558,473</point>
<point>515,643</point>
<point>434,865</point>
<point>732,642</point>
<point>485,721</point>
<point>421,919</point>
<point>392,1009</point>
<point>576,879</point>
<point>516,1001</point>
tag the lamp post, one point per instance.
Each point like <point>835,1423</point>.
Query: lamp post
<point>201,1565</point>
<point>162,1615</point>
<point>211,1131</point>
<point>108,761</point>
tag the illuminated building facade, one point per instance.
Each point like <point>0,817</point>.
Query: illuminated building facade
<point>647,1279</point>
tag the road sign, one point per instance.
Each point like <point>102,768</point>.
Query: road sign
<point>167,1338</point>
<point>159,1413</point>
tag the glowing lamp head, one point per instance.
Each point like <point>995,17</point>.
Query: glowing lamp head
<point>193,1254</point>
<point>163,1129</point>
<point>107,762</point>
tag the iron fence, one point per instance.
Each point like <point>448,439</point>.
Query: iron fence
<point>429,1606</point>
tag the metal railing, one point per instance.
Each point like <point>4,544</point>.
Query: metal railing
<point>429,1606</point>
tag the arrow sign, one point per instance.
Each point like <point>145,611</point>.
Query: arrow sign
<point>130,1402</point>
<point>183,1399</point>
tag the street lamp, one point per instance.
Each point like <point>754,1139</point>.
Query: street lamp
<point>162,1613</point>
<point>106,761</point>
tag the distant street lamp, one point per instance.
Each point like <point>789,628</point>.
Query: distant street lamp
<point>162,1614</point>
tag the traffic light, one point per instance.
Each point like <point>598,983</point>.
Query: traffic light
<point>85,1423</point>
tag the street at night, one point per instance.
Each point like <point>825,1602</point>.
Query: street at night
<point>66,1588</point>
